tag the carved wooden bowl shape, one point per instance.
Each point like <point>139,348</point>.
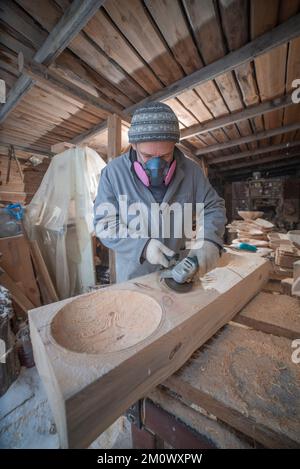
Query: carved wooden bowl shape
<point>106,321</point>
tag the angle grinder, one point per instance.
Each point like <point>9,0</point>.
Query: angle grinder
<point>179,277</point>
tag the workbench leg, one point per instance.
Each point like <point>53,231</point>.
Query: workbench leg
<point>143,439</point>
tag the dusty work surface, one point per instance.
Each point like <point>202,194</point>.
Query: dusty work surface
<point>273,313</point>
<point>247,379</point>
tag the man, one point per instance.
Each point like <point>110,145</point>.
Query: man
<point>155,172</point>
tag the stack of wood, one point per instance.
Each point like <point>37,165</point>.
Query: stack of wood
<point>286,251</point>
<point>254,232</point>
<point>286,255</point>
<point>277,240</point>
<point>25,279</point>
<point>24,273</point>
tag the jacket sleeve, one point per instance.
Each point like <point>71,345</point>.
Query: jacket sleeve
<point>108,226</point>
<point>214,210</point>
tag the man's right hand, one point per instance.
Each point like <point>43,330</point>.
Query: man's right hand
<point>156,253</point>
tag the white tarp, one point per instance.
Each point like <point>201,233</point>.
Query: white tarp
<point>60,218</point>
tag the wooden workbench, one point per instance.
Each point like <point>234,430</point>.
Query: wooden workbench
<point>240,390</point>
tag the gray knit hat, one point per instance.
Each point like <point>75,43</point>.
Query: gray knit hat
<point>154,122</point>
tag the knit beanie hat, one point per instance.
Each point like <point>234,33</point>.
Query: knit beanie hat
<point>154,122</point>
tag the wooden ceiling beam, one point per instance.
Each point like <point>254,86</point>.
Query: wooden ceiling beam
<point>258,151</point>
<point>268,159</point>
<point>249,113</point>
<point>44,75</point>
<point>72,21</point>
<point>235,117</point>
<point>28,149</point>
<point>266,166</point>
<point>249,138</point>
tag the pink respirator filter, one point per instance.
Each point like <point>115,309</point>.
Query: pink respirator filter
<point>141,173</point>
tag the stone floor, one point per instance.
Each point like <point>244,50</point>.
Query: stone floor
<point>26,420</point>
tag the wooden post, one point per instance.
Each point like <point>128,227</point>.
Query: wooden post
<point>114,137</point>
<point>204,167</point>
<point>18,163</point>
<point>9,165</point>
<point>114,146</point>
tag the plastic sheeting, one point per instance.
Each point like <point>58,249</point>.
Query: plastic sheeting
<point>60,219</point>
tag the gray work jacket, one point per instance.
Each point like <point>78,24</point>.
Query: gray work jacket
<point>188,185</point>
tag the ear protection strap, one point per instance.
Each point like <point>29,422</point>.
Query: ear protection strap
<point>170,173</point>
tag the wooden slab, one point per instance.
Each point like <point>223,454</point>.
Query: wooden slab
<point>116,356</point>
<point>48,291</point>
<point>17,264</point>
<point>274,314</point>
<point>286,285</point>
<point>247,379</point>
<point>16,293</point>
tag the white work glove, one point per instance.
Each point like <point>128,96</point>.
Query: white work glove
<point>156,253</point>
<point>208,257</point>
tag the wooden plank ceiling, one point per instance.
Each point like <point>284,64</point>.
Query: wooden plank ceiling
<point>131,49</point>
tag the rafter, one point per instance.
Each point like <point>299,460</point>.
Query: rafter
<point>264,43</point>
<point>283,33</point>
<point>269,159</point>
<point>235,117</point>
<point>249,138</point>
<point>72,21</point>
<point>258,151</point>
<point>53,80</point>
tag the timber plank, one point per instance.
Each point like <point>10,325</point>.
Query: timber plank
<point>114,146</point>
<point>16,262</point>
<point>16,292</point>
<point>136,25</point>
<point>208,34</point>
<point>97,60</point>
<point>273,314</point>
<point>235,23</point>
<point>133,22</point>
<point>264,17</point>
<point>114,44</point>
<point>292,115</point>
<point>48,291</point>
<point>20,21</point>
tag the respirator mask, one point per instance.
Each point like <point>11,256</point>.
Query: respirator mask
<point>155,172</point>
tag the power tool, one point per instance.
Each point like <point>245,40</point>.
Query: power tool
<point>179,277</point>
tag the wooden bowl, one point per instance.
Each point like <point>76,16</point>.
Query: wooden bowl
<point>104,322</point>
<point>250,215</point>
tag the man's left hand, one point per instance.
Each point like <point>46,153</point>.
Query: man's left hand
<point>208,257</point>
